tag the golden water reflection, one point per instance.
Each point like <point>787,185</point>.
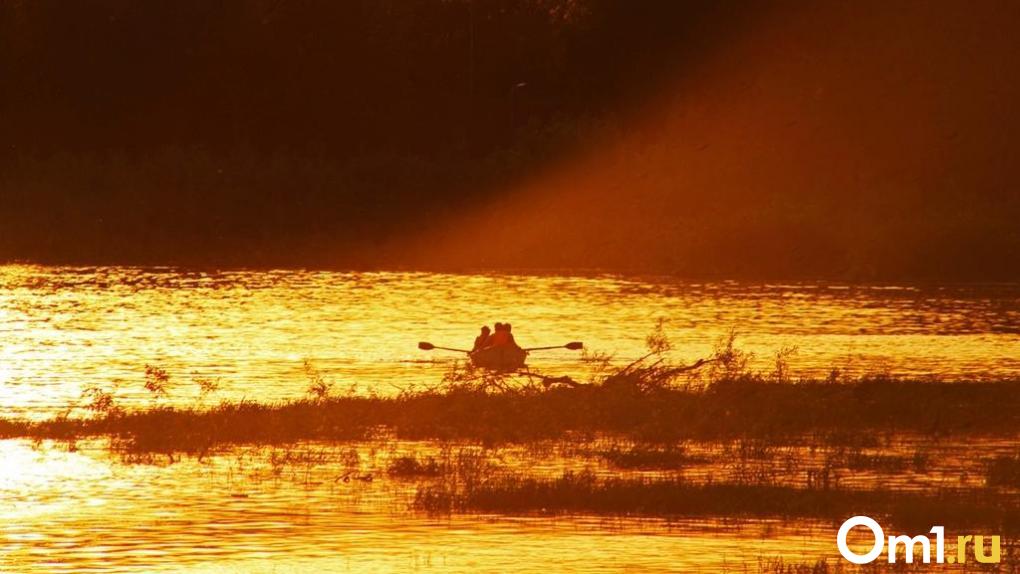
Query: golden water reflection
<point>334,507</point>
<point>63,329</point>
<point>80,511</point>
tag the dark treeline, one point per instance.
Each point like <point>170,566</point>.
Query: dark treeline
<point>288,131</point>
<point>858,141</point>
<point>422,77</point>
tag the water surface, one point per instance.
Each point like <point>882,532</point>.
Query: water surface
<point>63,329</point>
<point>334,508</point>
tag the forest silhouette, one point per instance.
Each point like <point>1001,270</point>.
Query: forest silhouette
<point>597,132</point>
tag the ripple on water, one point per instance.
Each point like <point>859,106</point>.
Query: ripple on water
<point>186,516</point>
<point>63,329</point>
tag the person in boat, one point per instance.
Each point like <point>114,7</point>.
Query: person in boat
<point>482,340</point>
<point>498,337</point>
<point>502,337</point>
<point>510,336</point>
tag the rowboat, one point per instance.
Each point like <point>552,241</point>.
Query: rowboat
<point>505,358</point>
<point>501,358</point>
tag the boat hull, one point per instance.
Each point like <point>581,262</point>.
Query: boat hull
<point>499,358</point>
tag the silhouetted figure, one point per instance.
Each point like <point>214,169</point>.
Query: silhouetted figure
<point>498,338</point>
<point>502,337</point>
<point>482,340</point>
<point>510,336</point>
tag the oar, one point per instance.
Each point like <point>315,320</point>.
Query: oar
<point>425,346</point>
<point>573,346</point>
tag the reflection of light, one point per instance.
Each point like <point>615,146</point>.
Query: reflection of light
<point>63,330</point>
<point>28,474</point>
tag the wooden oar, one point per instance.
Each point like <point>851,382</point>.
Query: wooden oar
<point>573,346</point>
<point>425,346</point>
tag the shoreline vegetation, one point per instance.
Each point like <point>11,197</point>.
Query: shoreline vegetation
<point>651,399</point>
<point>585,493</point>
<point>727,409</point>
<point>651,467</point>
<point>757,483</point>
<point>640,429</point>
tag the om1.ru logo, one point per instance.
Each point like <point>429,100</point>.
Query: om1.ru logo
<point>909,543</point>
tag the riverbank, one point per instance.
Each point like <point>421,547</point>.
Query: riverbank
<point>727,409</point>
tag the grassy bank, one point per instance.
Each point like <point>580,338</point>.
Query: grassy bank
<point>584,493</point>
<point>727,409</point>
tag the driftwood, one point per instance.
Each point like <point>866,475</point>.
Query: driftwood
<point>565,381</point>
<point>632,374</point>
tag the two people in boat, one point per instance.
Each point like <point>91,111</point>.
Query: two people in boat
<point>499,336</point>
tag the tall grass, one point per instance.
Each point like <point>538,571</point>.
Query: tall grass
<point>650,399</point>
<point>586,493</point>
<point>728,409</point>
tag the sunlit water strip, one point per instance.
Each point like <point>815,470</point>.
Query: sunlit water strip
<point>234,512</point>
<point>333,507</point>
<point>63,329</point>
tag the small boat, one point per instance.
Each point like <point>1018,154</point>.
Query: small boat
<point>499,358</point>
<point>503,358</point>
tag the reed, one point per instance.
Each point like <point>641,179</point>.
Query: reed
<point>729,409</point>
<point>649,457</point>
<point>585,493</point>
<point>409,466</point>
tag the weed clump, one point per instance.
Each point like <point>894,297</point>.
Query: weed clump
<point>731,410</point>
<point>411,466</point>
<point>585,493</point>
<point>649,457</point>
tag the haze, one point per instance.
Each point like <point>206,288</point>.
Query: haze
<point>838,140</point>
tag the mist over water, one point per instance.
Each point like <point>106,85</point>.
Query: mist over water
<point>858,141</point>
<point>839,140</point>
<point>65,329</point>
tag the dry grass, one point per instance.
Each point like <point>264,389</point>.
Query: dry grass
<point>585,493</point>
<point>409,466</point>
<point>856,459</point>
<point>727,409</point>
<point>650,400</point>
<point>649,457</point>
